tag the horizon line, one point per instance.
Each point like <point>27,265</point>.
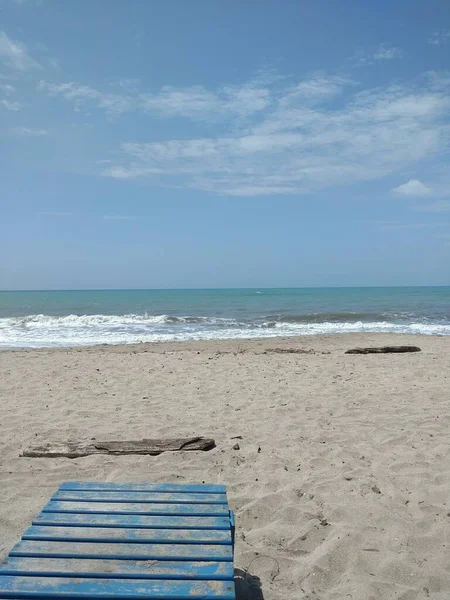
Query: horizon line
<point>199,289</point>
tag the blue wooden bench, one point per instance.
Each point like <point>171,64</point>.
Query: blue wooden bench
<point>125,541</point>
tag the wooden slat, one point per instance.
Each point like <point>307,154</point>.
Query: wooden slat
<point>143,487</point>
<point>126,496</point>
<point>119,535</point>
<point>208,510</point>
<point>125,589</point>
<point>125,541</point>
<point>146,569</point>
<point>136,551</point>
<point>133,521</point>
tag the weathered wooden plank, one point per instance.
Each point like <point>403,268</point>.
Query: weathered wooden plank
<point>145,569</point>
<point>119,535</point>
<point>133,521</point>
<point>383,350</point>
<point>208,510</point>
<point>156,446</point>
<point>188,488</point>
<point>146,446</point>
<point>160,497</point>
<point>202,552</point>
<point>125,589</point>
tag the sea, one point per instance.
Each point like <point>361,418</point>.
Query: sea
<point>49,319</point>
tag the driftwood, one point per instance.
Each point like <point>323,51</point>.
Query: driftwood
<point>383,350</point>
<point>291,350</point>
<point>152,447</point>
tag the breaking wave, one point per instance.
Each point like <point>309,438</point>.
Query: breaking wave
<point>41,330</point>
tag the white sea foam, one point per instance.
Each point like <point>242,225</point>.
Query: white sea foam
<point>35,331</point>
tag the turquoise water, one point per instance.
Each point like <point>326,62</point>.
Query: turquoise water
<point>78,318</point>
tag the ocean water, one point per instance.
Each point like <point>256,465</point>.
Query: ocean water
<point>81,318</point>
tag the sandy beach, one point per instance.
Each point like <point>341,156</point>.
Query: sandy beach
<point>340,478</point>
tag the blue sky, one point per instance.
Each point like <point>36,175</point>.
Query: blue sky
<point>211,144</point>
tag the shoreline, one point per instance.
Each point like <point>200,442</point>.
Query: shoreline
<point>184,344</point>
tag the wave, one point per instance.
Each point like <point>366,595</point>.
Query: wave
<point>41,330</point>
<point>94,320</point>
<point>344,317</point>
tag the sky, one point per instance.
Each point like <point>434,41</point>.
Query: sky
<point>177,144</point>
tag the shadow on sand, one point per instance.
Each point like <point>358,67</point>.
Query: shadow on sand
<point>248,587</point>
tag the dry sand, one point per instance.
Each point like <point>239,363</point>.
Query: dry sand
<point>341,483</point>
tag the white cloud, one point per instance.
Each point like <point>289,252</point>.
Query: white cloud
<point>81,94</point>
<point>201,104</point>
<point>15,55</point>
<point>196,102</point>
<point>413,187</point>
<point>440,37</point>
<point>386,52</point>
<point>14,106</point>
<point>383,52</point>
<point>130,85</point>
<point>314,90</point>
<point>294,145</point>
<point>7,88</point>
<point>123,173</point>
<point>27,131</point>
<point>70,91</point>
<point>272,135</point>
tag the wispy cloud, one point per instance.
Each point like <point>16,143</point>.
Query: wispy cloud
<point>8,105</point>
<point>440,37</point>
<point>279,136</point>
<point>14,54</point>
<point>82,94</point>
<point>413,187</point>
<point>387,52</point>
<point>314,90</point>
<point>118,218</point>
<point>7,88</point>
<point>195,102</point>
<point>27,131</point>
<point>130,85</point>
<point>300,142</point>
<point>202,104</point>
<point>381,53</point>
